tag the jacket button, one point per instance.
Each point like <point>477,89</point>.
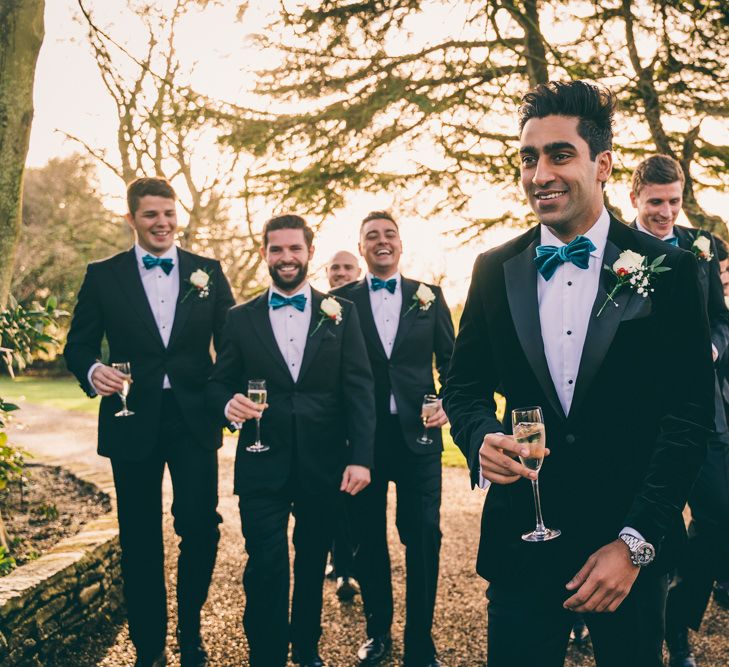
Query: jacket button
<point>570,439</point>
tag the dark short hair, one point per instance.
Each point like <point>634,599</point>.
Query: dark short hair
<point>288,222</point>
<point>593,105</point>
<point>154,186</point>
<point>378,215</point>
<point>657,170</point>
<point>722,252</point>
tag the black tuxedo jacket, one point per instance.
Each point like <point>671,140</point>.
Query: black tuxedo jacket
<point>408,373</point>
<point>308,422</point>
<point>112,303</point>
<point>635,437</point>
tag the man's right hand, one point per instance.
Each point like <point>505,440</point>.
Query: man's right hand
<point>107,380</point>
<point>240,408</point>
<point>497,457</point>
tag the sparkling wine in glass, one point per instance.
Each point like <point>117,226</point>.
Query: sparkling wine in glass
<point>258,394</point>
<point>126,368</point>
<point>430,406</point>
<point>528,430</point>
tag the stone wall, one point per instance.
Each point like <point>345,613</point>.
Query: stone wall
<point>55,600</point>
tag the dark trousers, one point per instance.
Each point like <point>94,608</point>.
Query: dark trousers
<point>264,519</point>
<point>194,473</point>
<point>527,625</point>
<point>342,547</point>
<point>418,479</point>
<point>707,552</point>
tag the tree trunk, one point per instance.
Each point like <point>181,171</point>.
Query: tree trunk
<point>21,36</point>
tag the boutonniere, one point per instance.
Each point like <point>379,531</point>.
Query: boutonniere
<point>633,270</point>
<point>199,281</point>
<point>331,310</point>
<point>423,298</point>
<point>701,247</point>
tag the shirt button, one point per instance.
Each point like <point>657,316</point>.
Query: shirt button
<point>569,282</point>
<point>569,333</point>
<point>291,340</point>
<point>570,381</point>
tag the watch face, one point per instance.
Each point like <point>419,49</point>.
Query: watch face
<point>645,554</point>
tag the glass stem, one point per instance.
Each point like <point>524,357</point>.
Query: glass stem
<point>258,430</point>
<point>538,507</point>
<point>124,403</point>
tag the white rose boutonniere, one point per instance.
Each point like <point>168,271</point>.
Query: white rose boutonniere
<point>199,281</point>
<point>331,310</point>
<point>633,269</point>
<point>702,248</point>
<point>423,298</point>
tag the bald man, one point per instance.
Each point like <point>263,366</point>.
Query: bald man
<point>343,268</point>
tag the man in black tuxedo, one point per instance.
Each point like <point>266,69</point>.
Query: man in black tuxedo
<point>405,324</point>
<point>657,194</point>
<point>159,308</point>
<point>627,419</point>
<point>318,423</point>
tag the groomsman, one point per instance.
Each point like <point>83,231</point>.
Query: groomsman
<point>627,416</point>
<point>406,324</point>
<point>318,423</point>
<point>159,308</point>
<point>343,268</point>
<point>657,194</point>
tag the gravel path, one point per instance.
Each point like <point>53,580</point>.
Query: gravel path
<point>460,622</point>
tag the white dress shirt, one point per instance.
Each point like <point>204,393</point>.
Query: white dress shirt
<point>667,237</point>
<point>291,329</point>
<point>386,309</point>
<point>162,291</point>
<point>565,304</point>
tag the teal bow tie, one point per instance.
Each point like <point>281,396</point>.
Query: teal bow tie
<point>164,263</point>
<point>672,241</point>
<point>550,257</point>
<point>277,301</point>
<point>377,284</point>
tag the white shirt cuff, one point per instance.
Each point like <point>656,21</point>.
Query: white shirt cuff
<point>631,531</point>
<point>483,483</point>
<point>236,425</point>
<point>714,351</point>
<point>90,373</point>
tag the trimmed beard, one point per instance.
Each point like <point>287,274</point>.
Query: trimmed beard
<point>294,282</point>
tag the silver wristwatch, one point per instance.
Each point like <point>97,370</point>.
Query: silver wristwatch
<point>641,553</point>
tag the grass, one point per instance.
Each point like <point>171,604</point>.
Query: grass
<point>64,393</point>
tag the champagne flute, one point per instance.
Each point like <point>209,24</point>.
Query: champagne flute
<point>428,409</point>
<point>528,430</point>
<point>126,368</point>
<point>258,394</point>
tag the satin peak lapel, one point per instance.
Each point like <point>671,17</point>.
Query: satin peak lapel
<point>360,294</point>
<point>264,331</point>
<point>408,287</point>
<point>314,336</point>
<point>601,330</point>
<point>183,305</point>
<point>520,275</point>
<point>131,284</point>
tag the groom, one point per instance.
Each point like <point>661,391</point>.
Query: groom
<point>319,425</point>
<point>627,419</point>
<point>159,307</point>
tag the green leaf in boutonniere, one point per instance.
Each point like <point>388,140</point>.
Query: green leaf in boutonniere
<point>331,310</point>
<point>423,298</point>
<point>199,281</point>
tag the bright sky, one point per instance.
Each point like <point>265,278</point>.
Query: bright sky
<point>70,97</point>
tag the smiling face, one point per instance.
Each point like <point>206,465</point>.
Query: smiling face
<point>154,223</point>
<point>658,206</point>
<point>561,182</point>
<point>381,247</point>
<point>287,256</point>
<point>343,268</point>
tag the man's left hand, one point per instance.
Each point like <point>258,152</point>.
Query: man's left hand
<point>438,418</point>
<point>604,580</point>
<point>355,479</point>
